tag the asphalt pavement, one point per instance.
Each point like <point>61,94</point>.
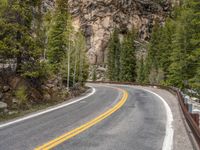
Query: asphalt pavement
<point>140,124</point>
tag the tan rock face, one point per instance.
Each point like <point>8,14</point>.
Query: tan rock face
<point>98,18</point>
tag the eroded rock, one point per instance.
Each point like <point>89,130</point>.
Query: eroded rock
<point>3,107</point>
<point>97,19</point>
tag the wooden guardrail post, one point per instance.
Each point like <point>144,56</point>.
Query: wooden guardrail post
<point>196,118</point>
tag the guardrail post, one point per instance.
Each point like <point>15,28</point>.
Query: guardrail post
<point>187,106</point>
<point>196,118</point>
<point>190,106</point>
<point>185,100</point>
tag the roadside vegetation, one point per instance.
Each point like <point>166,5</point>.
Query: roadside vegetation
<point>173,56</point>
<point>42,57</point>
<point>122,57</point>
<point>174,50</point>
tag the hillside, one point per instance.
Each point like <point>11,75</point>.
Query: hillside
<point>49,46</point>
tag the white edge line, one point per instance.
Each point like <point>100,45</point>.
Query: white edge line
<point>169,133</point>
<point>48,110</point>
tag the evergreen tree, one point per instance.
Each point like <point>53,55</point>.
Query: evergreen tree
<point>153,56</point>
<point>141,71</point>
<point>128,58</point>
<point>17,37</point>
<point>57,36</point>
<point>114,57</point>
<point>74,66</point>
<point>80,58</point>
<point>195,40</point>
<point>166,48</point>
<point>181,68</point>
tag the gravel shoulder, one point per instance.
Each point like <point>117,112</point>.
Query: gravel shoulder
<point>183,138</point>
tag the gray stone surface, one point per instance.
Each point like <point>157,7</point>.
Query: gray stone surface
<point>3,107</point>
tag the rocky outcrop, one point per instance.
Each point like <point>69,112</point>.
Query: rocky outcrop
<point>3,107</point>
<point>13,91</point>
<point>98,18</point>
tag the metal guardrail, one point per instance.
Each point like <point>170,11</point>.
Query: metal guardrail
<point>190,118</point>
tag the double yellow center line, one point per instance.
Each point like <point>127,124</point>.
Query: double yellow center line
<point>78,130</point>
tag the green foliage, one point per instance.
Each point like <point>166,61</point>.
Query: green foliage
<point>114,57</point>
<point>174,51</point>
<point>140,71</point>
<point>26,37</point>
<point>39,70</point>
<point>76,53</point>
<point>153,57</point>
<point>128,58</point>
<point>184,58</point>
<point>17,40</point>
<point>94,75</point>
<point>66,48</point>
<point>22,96</point>
<point>57,34</point>
<point>159,53</point>
<point>122,57</point>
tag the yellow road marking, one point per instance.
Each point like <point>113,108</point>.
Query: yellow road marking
<point>78,130</point>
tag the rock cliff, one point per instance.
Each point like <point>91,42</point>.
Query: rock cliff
<point>98,18</point>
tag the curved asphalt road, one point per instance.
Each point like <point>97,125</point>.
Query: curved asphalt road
<point>138,125</point>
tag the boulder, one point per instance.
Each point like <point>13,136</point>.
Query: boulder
<point>3,107</point>
<point>47,96</point>
<point>6,111</point>
<point>50,85</point>
<point>44,87</point>
<point>12,112</point>
<point>14,101</point>
<point>6,88</point>
<point>55,89</point>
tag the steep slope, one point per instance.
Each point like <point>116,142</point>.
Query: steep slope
<point>98,19</point>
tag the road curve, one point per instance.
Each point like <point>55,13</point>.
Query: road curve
<point>138,124</point>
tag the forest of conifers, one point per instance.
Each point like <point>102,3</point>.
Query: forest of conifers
<point>173,56</point>
<point>41,44</point>
<point>42,57</point>
<point>43,52</point>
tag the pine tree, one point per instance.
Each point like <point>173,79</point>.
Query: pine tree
<point>181,68</point>
<point>17,37</point>
<point>78,59</point>
<point>195,41</point>
<point>82,61</point>
<point>153,56</point>
<point>57,36</point>
<point>74,66</point>
<point>128,58</point>
<point>141,71</point>
<point>114,57</point>
<point>174,50</point>
<point>166,46</point>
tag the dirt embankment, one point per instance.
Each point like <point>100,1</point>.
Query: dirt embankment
<point>19,96</point>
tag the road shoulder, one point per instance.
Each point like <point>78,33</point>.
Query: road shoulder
<point>182,134</point>
<point>46,109</point>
